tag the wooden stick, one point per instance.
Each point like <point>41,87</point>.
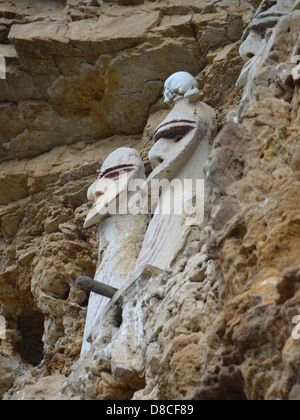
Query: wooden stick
<point>96,286</point>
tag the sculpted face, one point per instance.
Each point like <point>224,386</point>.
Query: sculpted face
<point>117,171</point>
<point>181,148</point>
<point>178,85</point>
<point>256,35</point>
<point>177,137</point>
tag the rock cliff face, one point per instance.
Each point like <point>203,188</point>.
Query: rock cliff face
<point>85,78</point>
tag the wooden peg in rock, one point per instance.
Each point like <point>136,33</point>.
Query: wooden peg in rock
<point>96,286</point>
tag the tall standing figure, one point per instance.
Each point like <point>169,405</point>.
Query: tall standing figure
<point>182,145</point>
<point>120,231</point>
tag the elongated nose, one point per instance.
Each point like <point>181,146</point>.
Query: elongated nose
<point>251,46</point>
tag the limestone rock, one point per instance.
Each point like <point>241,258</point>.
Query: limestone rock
<point>44,390</point>
<point>11,367</point>
<point>85,78</point>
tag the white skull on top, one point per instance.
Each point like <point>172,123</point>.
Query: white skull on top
<point>181,84</point>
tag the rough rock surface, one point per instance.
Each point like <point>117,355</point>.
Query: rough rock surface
<point>84,78</point>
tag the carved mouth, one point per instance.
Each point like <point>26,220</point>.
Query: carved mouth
<point>174,129</point>
<point>114,172</point>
